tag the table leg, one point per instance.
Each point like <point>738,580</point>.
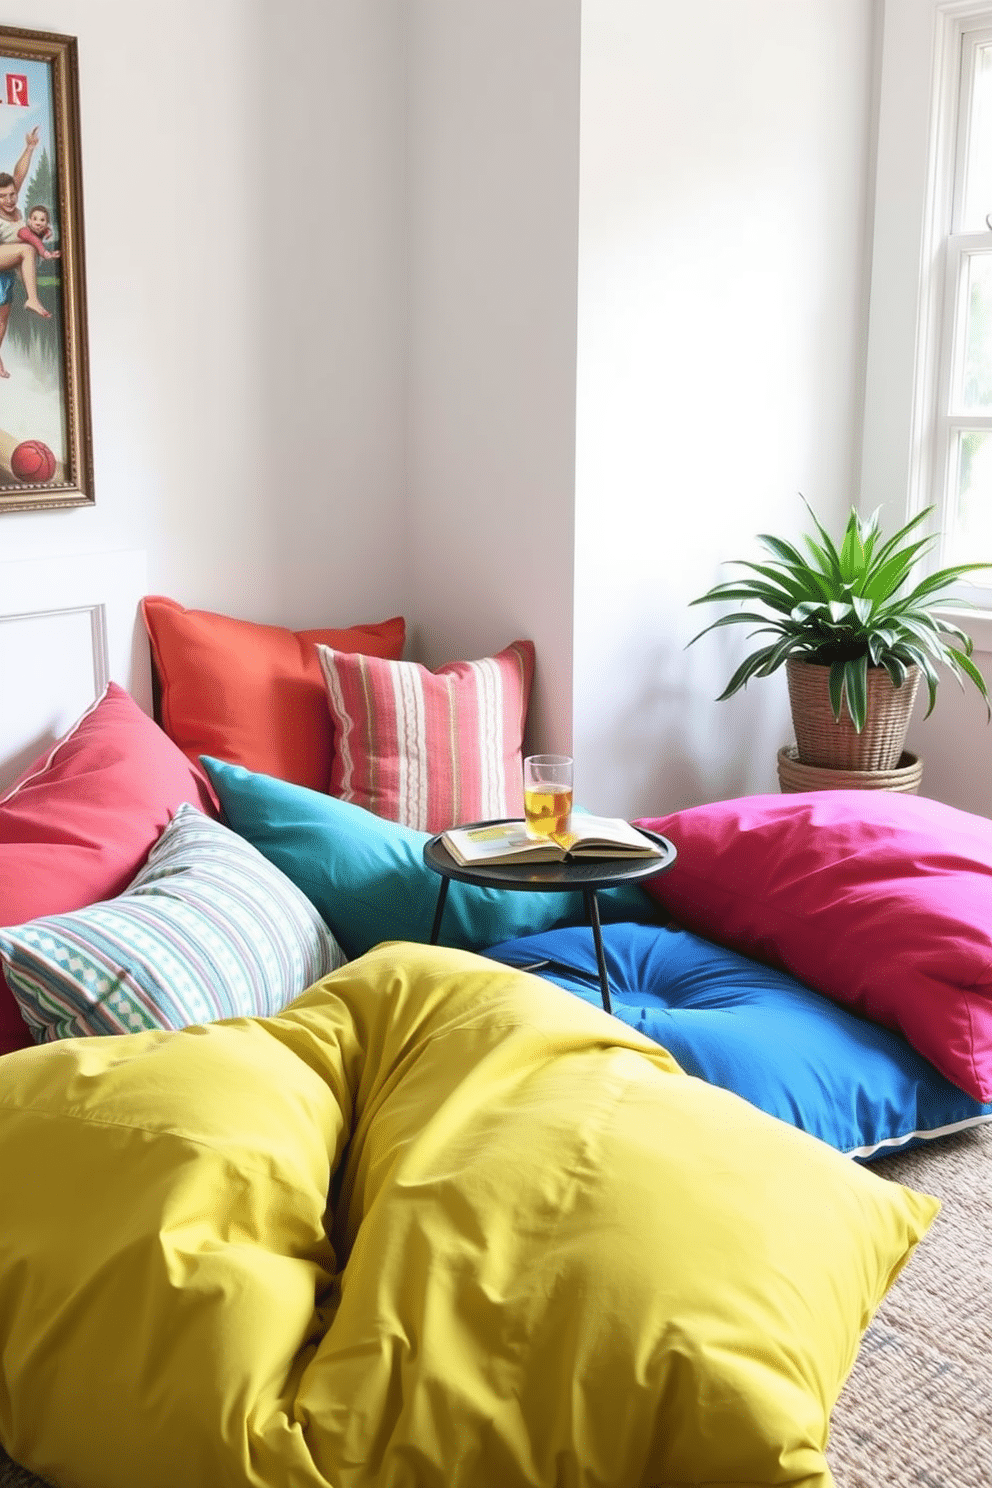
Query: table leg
<point>442,895</point>
<point>592,909</point>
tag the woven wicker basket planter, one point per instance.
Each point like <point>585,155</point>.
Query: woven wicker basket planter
<point>823,741</point>
<point>794,776</point>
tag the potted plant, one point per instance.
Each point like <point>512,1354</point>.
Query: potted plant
<point>855,634</point>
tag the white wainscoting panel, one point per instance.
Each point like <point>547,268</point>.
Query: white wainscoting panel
<point>68,626</point>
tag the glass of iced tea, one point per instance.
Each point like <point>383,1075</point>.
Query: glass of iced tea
<point>548,794</point>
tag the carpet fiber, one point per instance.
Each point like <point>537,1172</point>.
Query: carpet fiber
<point>916,1410</point>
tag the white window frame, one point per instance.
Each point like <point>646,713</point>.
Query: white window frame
<point>907,434</point>
<point>955,248</point>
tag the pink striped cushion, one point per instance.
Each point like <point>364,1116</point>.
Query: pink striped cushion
<point>429,749</point>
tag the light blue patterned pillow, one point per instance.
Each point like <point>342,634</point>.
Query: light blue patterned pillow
<point>208,929</point>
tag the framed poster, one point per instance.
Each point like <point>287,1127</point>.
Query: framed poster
<point>45,441</point>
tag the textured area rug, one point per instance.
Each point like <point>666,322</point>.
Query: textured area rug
<point>916,1411</point>
<point>12,1476</point>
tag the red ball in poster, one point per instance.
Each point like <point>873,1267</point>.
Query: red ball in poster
<point>32,461</point>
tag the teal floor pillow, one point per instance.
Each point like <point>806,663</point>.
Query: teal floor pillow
<point>367,875</point>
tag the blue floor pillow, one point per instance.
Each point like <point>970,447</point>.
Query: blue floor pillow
<point>757,1031</point>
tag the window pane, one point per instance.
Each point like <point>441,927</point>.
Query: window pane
<point>976,383</point>
<point>978,171</point>
<point>969,535</point>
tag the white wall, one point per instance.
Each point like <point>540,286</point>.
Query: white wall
<point>651,417</point>
<point>493,136</point>
<point>242,169</point>
<point>384,295</point>
<point>722,238</point>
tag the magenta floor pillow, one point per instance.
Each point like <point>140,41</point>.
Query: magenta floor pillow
<point>880,900</point>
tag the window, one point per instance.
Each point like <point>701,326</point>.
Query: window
<point>962,442</point>
<point>928,388</point>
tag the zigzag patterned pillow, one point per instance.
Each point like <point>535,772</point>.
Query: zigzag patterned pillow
<point>428,749</point>
<point>208,929</point>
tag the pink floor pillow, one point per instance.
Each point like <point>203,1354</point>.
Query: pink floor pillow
<point>79,823</point>
<point>879,900</point>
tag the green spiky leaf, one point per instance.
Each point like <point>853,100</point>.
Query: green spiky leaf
<point>850,604</point>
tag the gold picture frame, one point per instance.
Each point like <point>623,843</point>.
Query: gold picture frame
<point>46,451</point>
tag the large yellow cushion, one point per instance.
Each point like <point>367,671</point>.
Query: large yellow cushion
<point>553,1257</point>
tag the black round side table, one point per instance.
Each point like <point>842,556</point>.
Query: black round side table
<point>584,874</point>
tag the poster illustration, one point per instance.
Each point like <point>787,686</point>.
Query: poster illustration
<point>45,446</point>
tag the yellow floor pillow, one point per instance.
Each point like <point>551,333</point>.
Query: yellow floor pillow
<point>551,1257</point>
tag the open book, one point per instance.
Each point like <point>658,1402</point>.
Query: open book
<point>590,837</point>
